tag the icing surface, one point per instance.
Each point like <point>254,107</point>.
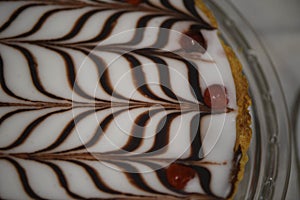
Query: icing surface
<point>94,93</point>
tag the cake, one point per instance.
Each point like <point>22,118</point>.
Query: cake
<point>119,99</point>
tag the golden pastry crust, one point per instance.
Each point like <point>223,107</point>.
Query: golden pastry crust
<point>243,122</point>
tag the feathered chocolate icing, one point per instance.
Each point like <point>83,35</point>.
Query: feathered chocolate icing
<point>98,93</point>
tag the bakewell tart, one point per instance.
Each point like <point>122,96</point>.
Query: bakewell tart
<point>119,99</point>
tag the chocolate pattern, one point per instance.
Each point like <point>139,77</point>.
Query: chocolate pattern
<point>68,88</point>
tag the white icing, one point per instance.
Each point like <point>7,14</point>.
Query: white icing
<point>90,30</point>
<point>219,135</point>
<point>7,8</point>
<point>220,182</point>
<point>223,75</point>
<point>12,187</point>
<point>9,131</point>
<point>25,21</point>
<point>193,186</point>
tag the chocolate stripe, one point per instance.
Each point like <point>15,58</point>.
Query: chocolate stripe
<point>10,114</point>
<point>193,72</point>
<point>137,134</point>
<point>168,8</point>
<point>141,28</point>
<point>107,86</point>
<point>61,177</point>
<point>148,2</point>
<point>163,133</point>
<point>79,25</point>
<point>67,130</point>
<point>70,68</point>
<point>108,27</point>
<point>100,130</point>
<point>190,6</point>
<point>95,176</point>
<point>40,22</point>
<point>23,178</point>
<point>205,178</point>
<point>33,71</point>
<point>139,78</point>
<point>195,137</point>
<point>104,80</point>
<point>134,177</point>
<point>164,33</point>
<point>167,4</point>
<point>16,13</point>
<point>3,84</point>
<point>194,80</point>
<point>161,175</point>
<point>28,130</point>
<point>164,74</point>
<point>101,67</point>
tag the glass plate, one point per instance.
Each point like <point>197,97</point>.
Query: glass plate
<point>268,170</point>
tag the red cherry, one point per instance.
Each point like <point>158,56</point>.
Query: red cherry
<point>134,2</point>
<point>179,175</point>
<point>193,41</point>
<point>215,96</point>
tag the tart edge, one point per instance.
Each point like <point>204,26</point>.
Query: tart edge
<point>243,122</point>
